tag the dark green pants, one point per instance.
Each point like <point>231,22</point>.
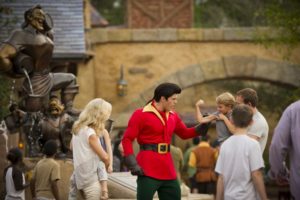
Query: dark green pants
<point>166,189</point>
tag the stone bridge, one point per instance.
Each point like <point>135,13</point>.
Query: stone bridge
<point>232,67</point>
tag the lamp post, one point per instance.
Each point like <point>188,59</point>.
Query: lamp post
<point>122,83</point>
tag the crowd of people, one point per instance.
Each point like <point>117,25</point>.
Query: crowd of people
<point>230,167</point>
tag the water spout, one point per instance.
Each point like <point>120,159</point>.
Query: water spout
<point>27,76</point>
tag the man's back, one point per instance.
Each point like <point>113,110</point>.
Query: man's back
<point>206,160</point>
<point>239,156</point>
<point>46,171</point>
<point>286,140</point>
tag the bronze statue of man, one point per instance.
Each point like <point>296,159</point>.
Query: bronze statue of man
<point>28,52</point>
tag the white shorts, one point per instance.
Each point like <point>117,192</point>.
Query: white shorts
<point>92,192</point>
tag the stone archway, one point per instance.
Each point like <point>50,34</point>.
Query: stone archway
<point>231,67</point>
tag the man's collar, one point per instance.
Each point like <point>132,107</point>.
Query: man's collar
<point>203,144</point>
<point>150,108</point>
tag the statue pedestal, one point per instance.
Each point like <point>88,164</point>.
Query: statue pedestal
<point>122,185</point>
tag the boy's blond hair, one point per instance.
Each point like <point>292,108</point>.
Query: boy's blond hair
<point>226,99</point>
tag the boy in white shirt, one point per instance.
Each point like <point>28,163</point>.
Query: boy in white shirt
<point>240,162</point>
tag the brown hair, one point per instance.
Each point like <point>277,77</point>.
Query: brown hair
<point>249,96</point>
<point>242,115</point>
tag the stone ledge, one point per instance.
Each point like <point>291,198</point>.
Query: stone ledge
<point>105,35</point>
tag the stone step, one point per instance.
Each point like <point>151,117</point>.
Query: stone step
<point>190,197</point>
<point>122,185</point>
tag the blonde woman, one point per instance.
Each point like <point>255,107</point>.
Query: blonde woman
<point>87,149</point>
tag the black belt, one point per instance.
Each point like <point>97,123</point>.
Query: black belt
<point>161,148</point>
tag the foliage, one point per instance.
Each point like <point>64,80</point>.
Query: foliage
<point>4,10</point>
<point>229,13</point>
<point>207,13</point>
<point>112,10</point>
<point>5,83</point>
<point>4,96</point>
<point>284,17</point>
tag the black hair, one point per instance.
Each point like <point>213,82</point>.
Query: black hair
<point>205,138</point>
<point>14,155</point>
<point>215,143</point>
<point>165,90</point>
<point>50,148</point>
<point>242,115</point>
<point>196,140</point>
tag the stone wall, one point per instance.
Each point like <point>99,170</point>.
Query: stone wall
<point>151,56</point>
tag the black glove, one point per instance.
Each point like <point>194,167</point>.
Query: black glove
<point>131,163</point>
<point>201,129</point>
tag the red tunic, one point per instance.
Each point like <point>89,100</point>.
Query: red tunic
<point>149,126</point>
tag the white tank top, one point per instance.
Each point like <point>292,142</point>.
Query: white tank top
<point>11,192</point>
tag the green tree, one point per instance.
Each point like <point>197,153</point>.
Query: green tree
<point>229,13</point>
<point>5,82</point>
<point>4,96</point>
<point>112,10</point>
<point>284,18</point>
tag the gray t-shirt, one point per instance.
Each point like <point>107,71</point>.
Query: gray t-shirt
<point>259,128</point>
<point>221,128</point>
<point>239,156</point>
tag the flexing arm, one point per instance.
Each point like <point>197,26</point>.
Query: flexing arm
<point>259,184</point>
<point>7,52</point>
<point>109,151</point>
<point>220,188</point>
<point>97,148</point>
<point>199,116</point>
